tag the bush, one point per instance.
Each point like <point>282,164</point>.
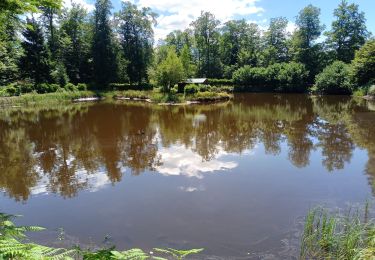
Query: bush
<point>26,87</point>
<point>46,88</point>
<point>250,76</point>
<point>127,86</point>
<point>191,89</point>
<point>334,79</point>
<point>292,77</point>
<point>82,86</point>
<point>12,90</point>
<point>70,87</point>
<point>363,65</point>
<point>279,77</point>
<point>220,82</point>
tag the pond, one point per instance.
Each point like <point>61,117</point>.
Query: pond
<point>235,178</point>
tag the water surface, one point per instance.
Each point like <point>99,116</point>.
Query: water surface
<point>235,178</point>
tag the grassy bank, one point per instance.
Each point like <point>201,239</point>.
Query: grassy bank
<point>49,98</point>
<point>155,96</point>
<point>338,236</point>
<point>173,97</point>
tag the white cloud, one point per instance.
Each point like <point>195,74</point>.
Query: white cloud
<point>178,160</point>
<point>178,14</point>
<point>84,3</point>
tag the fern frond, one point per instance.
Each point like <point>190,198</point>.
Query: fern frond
<point>132,254</point>
<point>179,254</point>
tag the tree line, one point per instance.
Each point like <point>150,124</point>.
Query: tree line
<point>57,45</point>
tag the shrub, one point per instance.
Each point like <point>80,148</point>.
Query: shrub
<point>82,86</point>
<point>292,77</point>
<point>278,76</point>
<point>70,87</point>
<point>12,90</point>
<point>334,79</point>
<point>26,87</point>
<point>191,89</point>
<point>127,86</point>
<point>46,88</point>
<point>220,82</point>
<point>250,76</point>
<point>363,65</point>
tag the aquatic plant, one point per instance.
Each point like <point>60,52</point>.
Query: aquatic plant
<point>334,236</point>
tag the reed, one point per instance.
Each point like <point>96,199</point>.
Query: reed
<point>338,236</point>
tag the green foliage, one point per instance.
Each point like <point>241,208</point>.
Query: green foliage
<point>178,254</point>
<point>75,37</point>
<point>70,87</point>
<point>104,61</point>
<point>82,86</point>
<point>206,35</point>
<point>169,72</point>
<point>135,28</point>
<point>333,236</point>
<point>348,31</point>
<point>128,86</point>
<point>334,79</point>
<point>35,63</point>
<point>304,48</point>
<point>209,97</point>
<point>276,39</point>
<point>69,45</point>
<point>46,88</point>
<point>363,65</point>
<point>191,89</point>
<point>25,6</point>
<point>132,94</point>
<point>186,60</point>
<point>279,76</point>
<point>239,44</point>
<point>220,82</point>
<point>12,247</point>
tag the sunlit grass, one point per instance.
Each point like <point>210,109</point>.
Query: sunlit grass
<point>336,236</point>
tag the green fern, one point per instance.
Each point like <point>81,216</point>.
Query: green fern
<point>132,254</point>
<point>12,247</point>
<point>178,254</point>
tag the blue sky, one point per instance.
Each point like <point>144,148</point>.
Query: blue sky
<point>178,14</point>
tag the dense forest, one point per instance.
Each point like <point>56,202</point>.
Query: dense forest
<point>45,47</point>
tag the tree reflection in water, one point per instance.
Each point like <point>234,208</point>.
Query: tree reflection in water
<point>64,150</point>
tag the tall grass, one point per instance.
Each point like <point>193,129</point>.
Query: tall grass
<point>335,236</point>
<point>56,97</point>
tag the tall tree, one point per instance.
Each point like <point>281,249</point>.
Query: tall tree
<point>104,60</point>
<point>309,29</point>
<point>348,31</point>
<point>136,38</point>
<point>75,46</point>
<point>35,63</point>
<point>179,39</point>
<point>276,49</point>
<point>207,43</point>
<point>10,49</point>
<point>239,45</point>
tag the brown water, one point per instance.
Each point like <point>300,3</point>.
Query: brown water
<point>234,178</point>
